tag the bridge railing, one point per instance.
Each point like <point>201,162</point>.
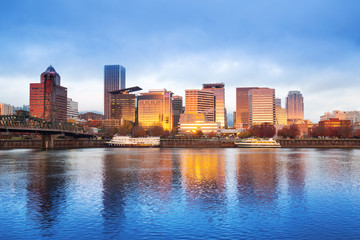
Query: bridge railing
<point>20,121</point>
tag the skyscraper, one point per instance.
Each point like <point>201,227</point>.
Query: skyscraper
<point>262,106</point>
<point>114,79</point>
<point>123,104</point>
<point>200,101</point>
<point>177,109</point>
<point>242,107</point>
<point>295,106</point>
<point>219,92</point>
<point>155,109</point>
<point>48,100</point>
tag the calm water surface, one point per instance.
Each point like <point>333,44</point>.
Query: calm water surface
<point>180,194</point>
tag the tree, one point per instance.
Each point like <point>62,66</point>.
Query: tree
<point>156,131</point>
<point>347,132</point>
<point>125,129</point>
<point>174,131</point>
<point>357,133</point>
<point>265,130</point>
<point>320,131</point>
<point>199,133</point>
<point>292,131</point>
<point>244,134</point>
<point>139,131</point>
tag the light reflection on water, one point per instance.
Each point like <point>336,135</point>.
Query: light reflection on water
<point>180,193</point>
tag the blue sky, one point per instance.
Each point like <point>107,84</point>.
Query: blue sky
<point>311,46</point>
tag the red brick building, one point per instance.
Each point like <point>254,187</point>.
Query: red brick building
<point>48,100</point>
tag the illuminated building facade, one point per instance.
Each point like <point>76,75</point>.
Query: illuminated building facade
<point>242,107</point>
<point>353,116</point>
<point>262,106</point>
<point>6,109</point>
<point>280,116</point>
<point>219,92</point>
<point>48,100</point>
<point>122,105</point>
<point>155,109</point>
<point>334,123</point>
<point>295,106</point>
<point>114,79</point>
<point>177,109</point>
<point>200,101</point>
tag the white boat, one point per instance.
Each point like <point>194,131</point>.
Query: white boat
<point>257,143</point>
<point>126,141</point>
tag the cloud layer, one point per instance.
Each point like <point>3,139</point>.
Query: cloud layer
<point>308,46</point>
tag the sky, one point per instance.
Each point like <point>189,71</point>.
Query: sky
<point>312,46</point>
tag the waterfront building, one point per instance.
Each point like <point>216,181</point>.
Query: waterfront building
<point>200,101</point>
<point>335,123</point>
<point>72,110</point>
<point>242,107</point>
<point>155,109</point>
<point>123,103</point>
<point>177,109</point>
<point>203,126</point>
<point>114,79</point>
<point>219,92</point>
<point>353,116</point>
<point>111,123</point>
<point>262,106</point>
<point>295,106</point>
<point>6,109</point>
<point>48,99</point>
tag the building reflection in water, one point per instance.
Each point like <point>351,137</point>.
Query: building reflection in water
<point>154,172</point>
<point>296,174</point>
<point>118,181</point>
<point>46,190</point>
<point>257,178</point>
<point>203,173</point>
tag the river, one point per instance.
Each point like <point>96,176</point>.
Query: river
<point>180,194</point>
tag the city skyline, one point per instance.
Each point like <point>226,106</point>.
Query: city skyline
<point>305,46</point>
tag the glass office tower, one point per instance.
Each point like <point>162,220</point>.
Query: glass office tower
<point>295,106</point>
<point>114,79</point>
<point>219,92</point>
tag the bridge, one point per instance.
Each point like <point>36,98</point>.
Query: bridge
<point>28,124</point>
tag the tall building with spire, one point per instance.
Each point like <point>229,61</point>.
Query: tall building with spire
<point>295,106</point>
<point>114,79</point>
<point>48,99</point>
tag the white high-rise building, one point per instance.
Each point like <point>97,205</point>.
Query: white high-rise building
<point>72,109</point>
<point>6,109</point>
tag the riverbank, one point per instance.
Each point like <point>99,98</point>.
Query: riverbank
<point>185,143</point>
<point>319,143</point>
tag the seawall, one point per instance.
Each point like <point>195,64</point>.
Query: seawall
<point>320,143</point>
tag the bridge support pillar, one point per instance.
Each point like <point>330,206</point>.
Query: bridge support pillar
<point>47,141</point>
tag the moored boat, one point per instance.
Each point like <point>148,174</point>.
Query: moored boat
<point>126,141</point>
<point>257,143</point>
